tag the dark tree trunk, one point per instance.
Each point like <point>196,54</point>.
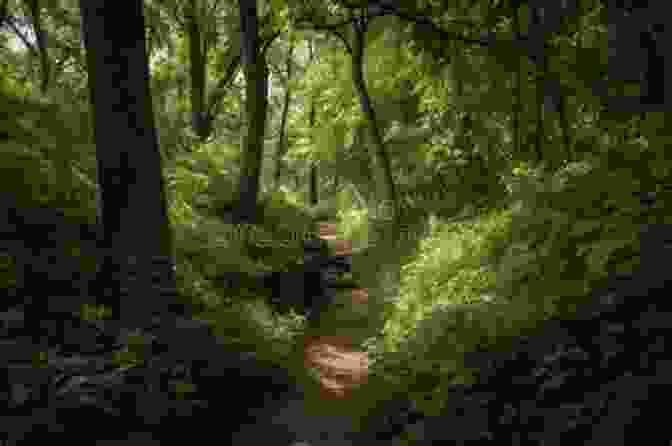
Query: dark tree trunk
<point>383,179</point>
<point>282,138</point>
<point>313,182</point>
<point>203,106</point>
<point>197,62</point>
<point>219,91</point>
<point>256,102</point>
<point>314,195</point>
<point>137,274</point>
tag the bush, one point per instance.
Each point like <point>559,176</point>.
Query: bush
<point>325,210</point>
<point>477,286</point>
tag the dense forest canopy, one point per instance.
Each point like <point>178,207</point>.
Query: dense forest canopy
<point>487,158</point>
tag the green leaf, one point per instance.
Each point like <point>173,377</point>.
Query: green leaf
<point>601,252</point>
<point>582,227</point>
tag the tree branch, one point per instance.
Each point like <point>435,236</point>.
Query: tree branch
<point>267,42</point>
<point>23,38</point>
<point>218,92</point>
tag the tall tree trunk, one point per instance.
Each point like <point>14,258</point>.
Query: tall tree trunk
<point>283,145</point>
<point>197,72</point>
<point>204,111</point>
<point>359,168</point>
<point>384,181</point>
<point>256,101</point>
<point>314,191</point>
<point>384,219</point>
<point>313,182</point>
<point>564,126</point>
<point>217,93</point>
<point>138,268</point>
<point>461,118</point>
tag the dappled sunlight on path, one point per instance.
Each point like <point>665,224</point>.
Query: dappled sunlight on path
<point>341,368</point>
<point>328,231</point>
<point>360,297</point>
<point>339,363</point>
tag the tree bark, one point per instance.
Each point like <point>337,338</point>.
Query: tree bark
<point>256,102</point>
<point>283,145</point>
<point>217,93</point>
<point>137,273</point>
<point>314,194</point>
<point>313,181</point>
<point>197,73</point>
<point>563,120</point>
<point>384,218</point>
<point>383,179</point>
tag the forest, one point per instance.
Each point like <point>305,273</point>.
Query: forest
<point>376,222</point>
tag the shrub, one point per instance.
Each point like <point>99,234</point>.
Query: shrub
<point>476,286</point>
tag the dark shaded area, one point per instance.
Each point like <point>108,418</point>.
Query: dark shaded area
<point>303,290</point>
<point>82,385</point>
<point>597,379</point>
<point>53,257</point>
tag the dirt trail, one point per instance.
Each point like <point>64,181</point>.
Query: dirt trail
<point>332,353</point>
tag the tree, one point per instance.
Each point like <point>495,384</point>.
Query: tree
<point>137,272</point>
<point>256,102</point>
<point>385,188</point>
<point>198,21</point>
<point>282,145</point>
<point>313,195</point>
<point>197,71</point>
<point>383,179</point>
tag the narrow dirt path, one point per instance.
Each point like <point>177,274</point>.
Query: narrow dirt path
<point>327,412</point>
<point>331,351</point>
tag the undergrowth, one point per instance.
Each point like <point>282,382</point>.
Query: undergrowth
<point>476,286</point>
<point>50,144</point>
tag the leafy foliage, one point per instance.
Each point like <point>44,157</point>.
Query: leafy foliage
<point>475,286</point>
<point>521,186</point>
<point>38,141</point>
